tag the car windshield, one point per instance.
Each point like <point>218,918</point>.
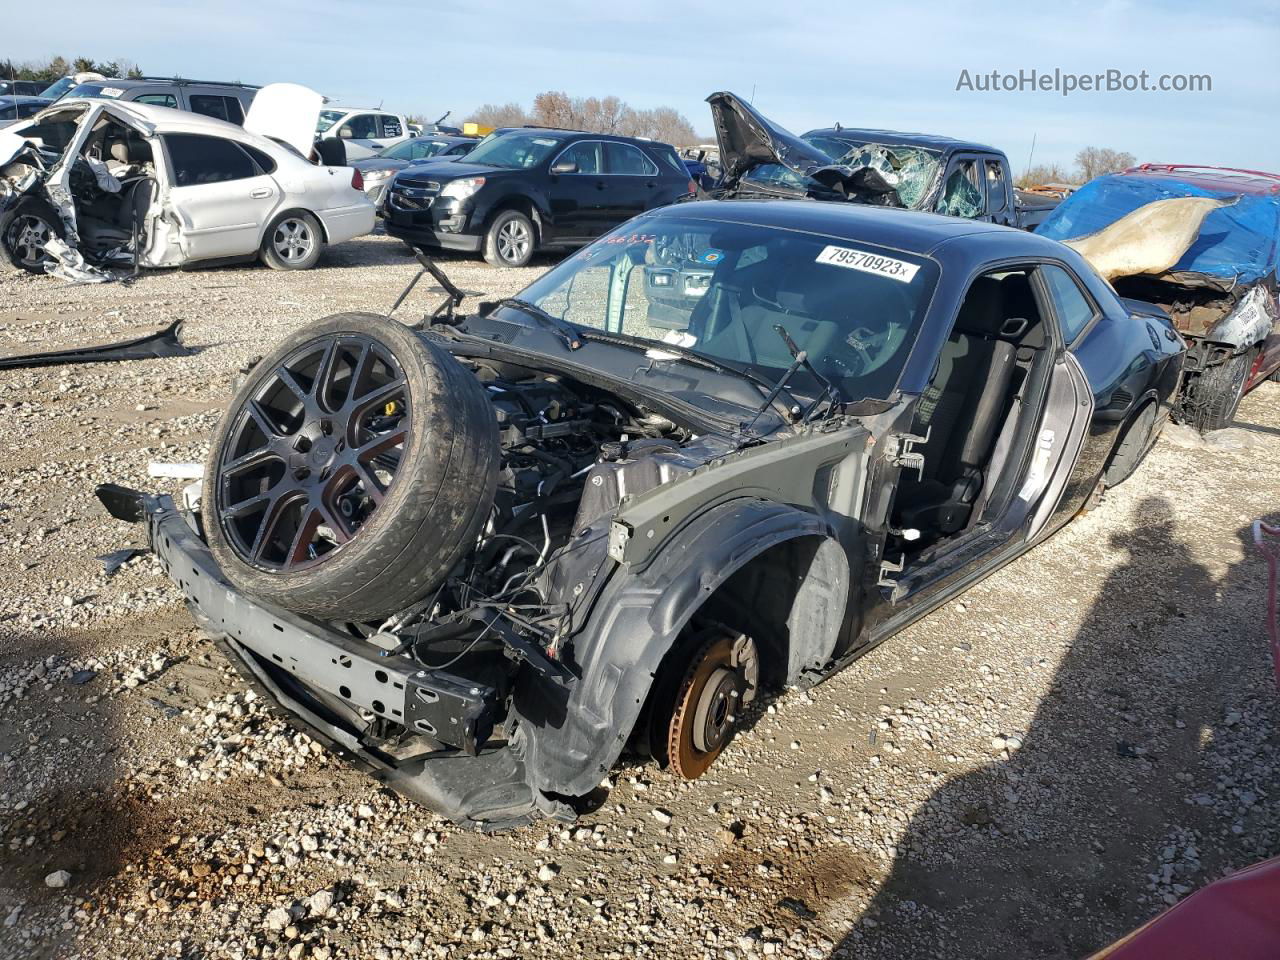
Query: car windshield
<point>722,290</point>
<point>414,149</point>
<point>514,151</point>
<point>328,118</point>
<point>58,88</point>
<point>912,171</point>
<point>102,90</point>
<point>54,130</point>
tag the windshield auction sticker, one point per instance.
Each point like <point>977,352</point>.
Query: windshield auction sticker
<point>898,270</point>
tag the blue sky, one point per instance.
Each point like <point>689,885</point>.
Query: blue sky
<point>893,65</point>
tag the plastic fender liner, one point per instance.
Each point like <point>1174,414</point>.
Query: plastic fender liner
<point>570,736</point>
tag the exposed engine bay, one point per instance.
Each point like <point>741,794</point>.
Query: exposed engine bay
<point>567,455</point>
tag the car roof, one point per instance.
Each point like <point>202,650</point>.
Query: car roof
<point>132,83</point>
<point>1217,178</point>
<point>578,134</point>
<point>343,108</point>
<point>898,138</point>
<point>171,120</point>
<point>908,230</point>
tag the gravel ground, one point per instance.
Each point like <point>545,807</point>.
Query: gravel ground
<point>1086,737</point>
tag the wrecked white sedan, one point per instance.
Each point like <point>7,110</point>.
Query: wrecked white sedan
<point>89,184</point>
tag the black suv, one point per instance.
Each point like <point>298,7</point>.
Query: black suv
<point>533,188</point>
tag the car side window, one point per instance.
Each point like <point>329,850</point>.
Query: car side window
<point>586,154</point>
<point>672,160</point>
<point>626,160</point>
<point>962,195</point>
<point>1074,310</point>
<point>263,160</point>
<point>390,125</point>
<point>363,126</point>
<point>217,107</point>
<point>997,192</point>
<point>158,99</point>
<point>197,159</point>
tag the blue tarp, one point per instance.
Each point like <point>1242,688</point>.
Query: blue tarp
<point>1236,243</point>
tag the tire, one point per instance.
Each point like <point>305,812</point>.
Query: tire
<point>292,241</point>
<point>16,234</point>
<point>1215,393</point>
<point>510,240</point>
<point>1133,447</point>
<point>338,533</point>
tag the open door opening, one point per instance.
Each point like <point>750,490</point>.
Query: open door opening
<point>980,415</point>
<point>112,183</point>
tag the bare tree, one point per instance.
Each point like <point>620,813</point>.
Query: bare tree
<point>1043,173</point>
<point>1096,161</point>
<point>555,108</point>
<point>500,115</point>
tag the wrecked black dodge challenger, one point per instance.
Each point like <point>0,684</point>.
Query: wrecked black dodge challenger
<point>483,556</point>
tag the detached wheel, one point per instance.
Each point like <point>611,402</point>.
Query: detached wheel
<point>25,230</point>
<point>353,470</point>
<point>720,680</point>
<point>510,240</point>
<point>1216,393</point>
<point>293,241</point>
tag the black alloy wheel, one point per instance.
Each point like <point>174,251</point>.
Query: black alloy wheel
<point>313,453</point>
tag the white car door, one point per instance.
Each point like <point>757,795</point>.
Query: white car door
<point>219,193</point>
<point>362,134</point>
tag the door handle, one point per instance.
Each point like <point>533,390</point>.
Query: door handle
<point>261,192</point>
<point>599,184</point>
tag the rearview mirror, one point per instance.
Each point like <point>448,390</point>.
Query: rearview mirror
<point>564,166</point>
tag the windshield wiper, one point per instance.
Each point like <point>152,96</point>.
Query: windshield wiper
<point>799,358</point>
<point>567,333</point>
<point>788,407</point>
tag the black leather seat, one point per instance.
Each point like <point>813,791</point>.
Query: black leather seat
<point>963,410</point>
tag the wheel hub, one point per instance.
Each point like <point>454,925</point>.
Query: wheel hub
<point>721,679</point>
<point>717,709</point>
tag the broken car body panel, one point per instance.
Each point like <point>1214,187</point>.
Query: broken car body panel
<point>830,529</point>
<point>163,343</point>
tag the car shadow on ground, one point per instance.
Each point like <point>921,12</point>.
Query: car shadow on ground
<point>1255,428</point>
<point>377,249</point>
<point>1051,849</point>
